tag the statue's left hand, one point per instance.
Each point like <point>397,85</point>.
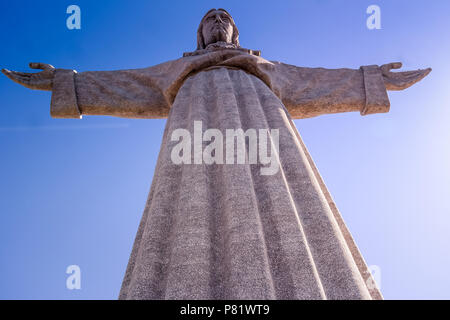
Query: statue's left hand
<point>39,81</point>
<point>401,80</point>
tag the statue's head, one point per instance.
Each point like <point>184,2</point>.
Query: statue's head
<point>217,25</point>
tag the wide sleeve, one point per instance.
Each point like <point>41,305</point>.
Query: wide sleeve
<point>309,92</point>
<point>136,93</point>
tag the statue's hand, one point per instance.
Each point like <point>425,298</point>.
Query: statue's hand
<point>39,81</point>
<point>401,80</point>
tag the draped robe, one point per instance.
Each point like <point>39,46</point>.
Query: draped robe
<point>222,231</point>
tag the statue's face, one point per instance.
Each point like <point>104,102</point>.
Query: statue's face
<point>217,26</point>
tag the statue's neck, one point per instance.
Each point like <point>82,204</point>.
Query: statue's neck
<point>221,45</point>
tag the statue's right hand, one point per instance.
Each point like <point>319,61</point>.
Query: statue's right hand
<point>39,81</point>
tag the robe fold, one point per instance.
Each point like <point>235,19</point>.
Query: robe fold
<point>225,231</point>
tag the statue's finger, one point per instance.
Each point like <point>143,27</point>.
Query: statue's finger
<point>23,80</point>
<point>40,65</point>
<point>5,72</point>
<point>426,71</point>
<point>422,74</point>
<point>9,74</point>
<point>396,65</point>
<point>386,68</point>
<point>21,74</point>
<point>415,75</point>
<point>404,74</point>
<point>407,79</point>
<point>403,80</point>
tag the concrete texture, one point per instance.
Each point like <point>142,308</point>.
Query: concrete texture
<point>225,231</point>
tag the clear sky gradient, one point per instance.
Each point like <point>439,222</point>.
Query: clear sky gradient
<point>72,191</point>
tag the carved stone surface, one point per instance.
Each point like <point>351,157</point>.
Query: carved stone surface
<point>226,231</point>
<point>220,231</point>
<point>150,92</point>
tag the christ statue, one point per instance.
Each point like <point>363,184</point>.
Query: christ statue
<point>224,230</point>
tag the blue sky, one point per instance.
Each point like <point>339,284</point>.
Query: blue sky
<point>73,191</point>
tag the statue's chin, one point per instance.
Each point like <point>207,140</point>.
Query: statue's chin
<point>218,35</point>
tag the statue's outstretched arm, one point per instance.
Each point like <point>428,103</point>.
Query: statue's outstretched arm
<point>310,92</point>
<point>134,93</point>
